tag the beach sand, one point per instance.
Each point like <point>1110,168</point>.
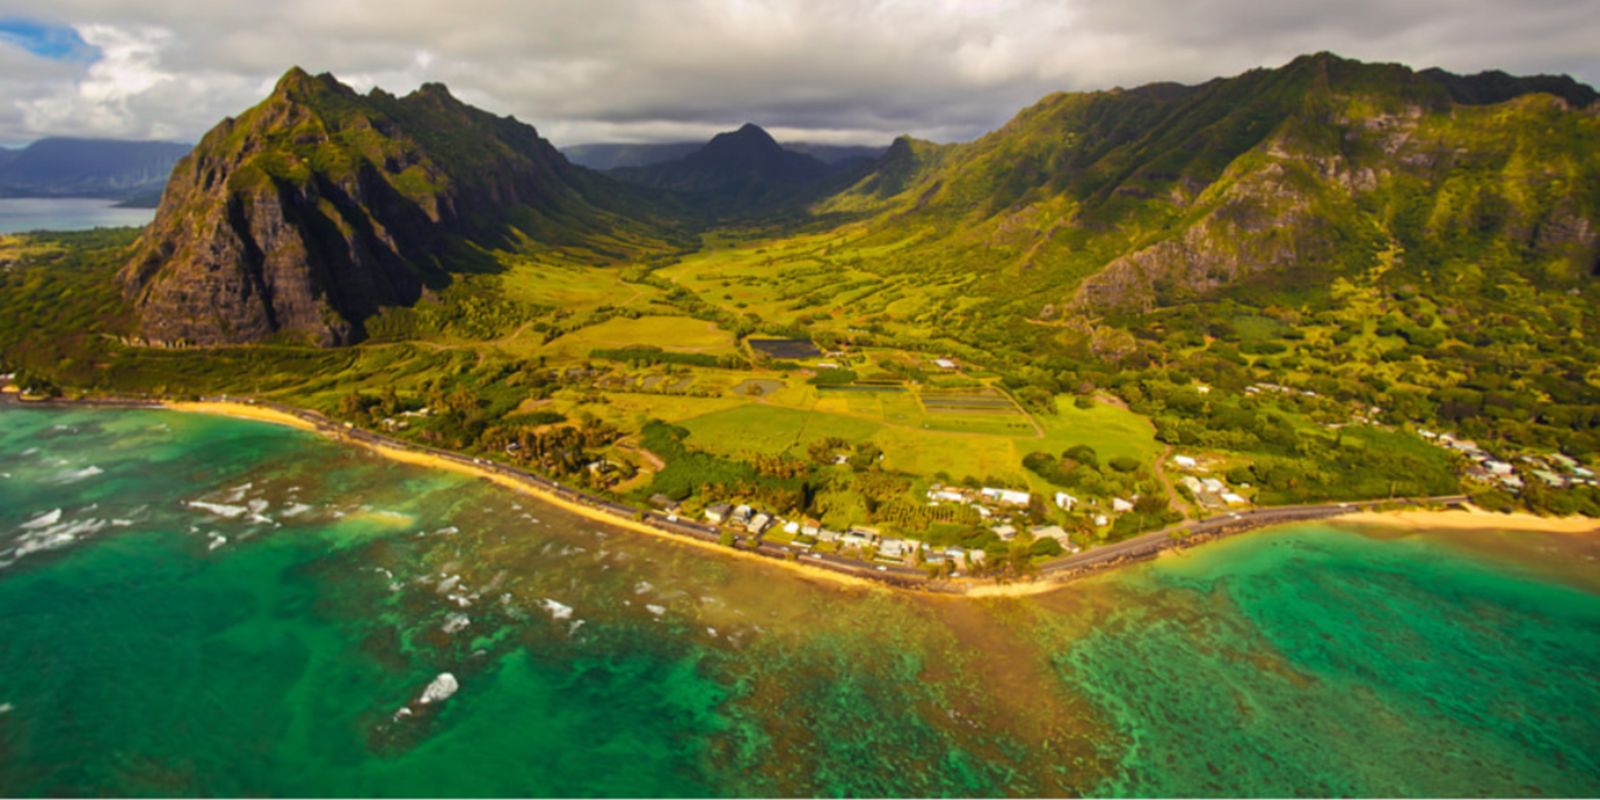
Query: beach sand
<point>241,411</point>
<point>1473,518</point>
<point>253,412</point>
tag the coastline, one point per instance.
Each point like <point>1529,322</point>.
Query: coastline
<point>1472,518</point>
<point>1051,577</point>
<point>261,413</point>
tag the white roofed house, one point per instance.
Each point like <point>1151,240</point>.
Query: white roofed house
<point>1007,496</point>
<point>1185,462</point>
<point>759,523</point>
<point>718,512</point>
<point>891,548</point>
<point>1065,501</point>
<point>1120,505</point>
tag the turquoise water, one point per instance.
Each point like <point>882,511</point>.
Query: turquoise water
<point>202,606</point>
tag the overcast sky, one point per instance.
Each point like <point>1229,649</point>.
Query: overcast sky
<point>844,71</point>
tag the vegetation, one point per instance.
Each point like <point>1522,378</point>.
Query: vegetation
<point>1266,272</point>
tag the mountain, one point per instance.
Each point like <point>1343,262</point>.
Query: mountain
<point>604,156</point>
<point>310,212</point>
<point>1133,199</point>
<point>616,156</point>
<point>836,155</point>
<point>111,168</point>
<point>739,170</point>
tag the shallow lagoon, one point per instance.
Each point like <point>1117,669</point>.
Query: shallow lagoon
<point>196,605</point>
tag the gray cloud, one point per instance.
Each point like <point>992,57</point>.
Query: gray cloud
<point>825,70</point>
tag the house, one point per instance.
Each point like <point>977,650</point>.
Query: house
<point>664,503</point>
<point>891,548</point>
<point>791,528</point>
<point>824,535</point>
<point>1202,388</point>
<point>759,524</point>
<point>719,512</point>
<point>810,527</point>
<point>975,555</point>
<point>854,538</point>
<point>1186,462</point>
<point>945,364</point>
<point>1065,501</point>
<point>742,514</point>
<point>1055,532</point>
<point>1214,486</point>
<point>1006,496</point>
<point>1234,500</point>
<point>1100,521</point>
<point>1497,467</point>
<point>946,495</point>
<point>1120,505</point>
<point>1005,532</point>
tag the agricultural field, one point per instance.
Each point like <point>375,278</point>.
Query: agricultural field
<point>676,333</point>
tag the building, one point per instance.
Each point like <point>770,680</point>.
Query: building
<point>1065,501</point>
<point>1007,496</point>
<point>1234,500</point>
<point>719,512</point>
<point>664,503</point>
<point>1185,462</point>
<point>854,538</point>
<point>742,514</point>
<point>759,523</point>
<point>945,364</point>
<point>1005,532</point>
<point>891,548</point>
<point>810,527</point>
<point>1120,505</point>
<point>1055,532</point>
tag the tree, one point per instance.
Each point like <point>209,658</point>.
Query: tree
<point>727,539</point>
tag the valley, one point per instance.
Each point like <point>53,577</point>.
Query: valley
<point>1119,311</point>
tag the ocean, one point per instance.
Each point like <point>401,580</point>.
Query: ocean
<point>23,214</point>
<point>194,605</point>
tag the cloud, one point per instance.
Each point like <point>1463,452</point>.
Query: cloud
<point>826,70</point>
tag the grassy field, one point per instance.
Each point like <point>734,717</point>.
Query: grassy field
<point>680,334</point>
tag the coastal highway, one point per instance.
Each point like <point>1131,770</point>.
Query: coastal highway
<point>904,576</point>
<point>1156,540</point>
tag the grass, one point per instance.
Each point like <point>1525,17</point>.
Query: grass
<point>772,430</point>
<point>679,334</point>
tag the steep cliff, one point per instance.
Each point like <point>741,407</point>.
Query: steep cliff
<point>309,212</point>
<point>1128,199</point>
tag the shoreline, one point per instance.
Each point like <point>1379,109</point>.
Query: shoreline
<point>426,459</point>
<point>1472,518</point>
<point>1053,576</point>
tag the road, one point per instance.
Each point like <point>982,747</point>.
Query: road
<point>907,577</point>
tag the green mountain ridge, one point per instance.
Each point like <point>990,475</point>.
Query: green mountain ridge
<point>1094,201</point>
<point>312,211</point>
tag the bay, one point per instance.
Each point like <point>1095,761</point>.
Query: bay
<point>206,606</point>
<point>24,214</point>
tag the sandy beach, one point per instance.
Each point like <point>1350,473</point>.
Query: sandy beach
<point>261,414</point>
<point>241,411</point>
<point>1475,519</point>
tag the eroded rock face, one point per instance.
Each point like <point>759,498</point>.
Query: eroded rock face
<point>315,209</point>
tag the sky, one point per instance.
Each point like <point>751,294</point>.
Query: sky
<point>823,71</point>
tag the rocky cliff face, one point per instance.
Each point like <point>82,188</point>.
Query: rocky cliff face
<point>1130,199</point>
<point>311,211</point>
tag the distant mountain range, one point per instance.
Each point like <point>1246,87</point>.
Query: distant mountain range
<point>605,157</point>
<point>108,168</point>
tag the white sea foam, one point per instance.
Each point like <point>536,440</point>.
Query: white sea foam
<point>656,610</point>
<point>576,624</point>
<point>55,536</point>
<point>219,509</point>
<point>450,531</point>
<point>295,510</point>
<point>44,520</point>
<point>257,505</point>
<point>6,708</point>
<point>217,540</point>
<point>557,611</point>
<point>454,623</point>
<point>642,587</point>
<point>440,689</point>
<point>448,583</point>
<point>75,475</point>
<point>237,493</point>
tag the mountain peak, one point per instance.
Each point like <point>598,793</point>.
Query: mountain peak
<point>297,84</point>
